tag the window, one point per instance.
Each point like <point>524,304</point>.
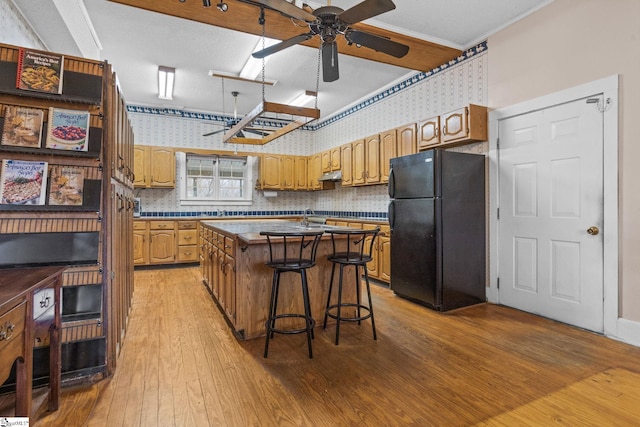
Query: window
<point>210,180</point>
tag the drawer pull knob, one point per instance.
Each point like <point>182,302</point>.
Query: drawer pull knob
<point>6,331</point>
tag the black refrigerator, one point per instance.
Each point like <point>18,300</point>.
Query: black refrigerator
<point>437,219</point>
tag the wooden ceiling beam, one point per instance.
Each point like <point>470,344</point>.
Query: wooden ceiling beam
<point>243,17</point>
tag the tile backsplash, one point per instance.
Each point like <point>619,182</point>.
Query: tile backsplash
<point>421,96</point>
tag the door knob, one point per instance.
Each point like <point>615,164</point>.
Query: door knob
<point>593,230</point>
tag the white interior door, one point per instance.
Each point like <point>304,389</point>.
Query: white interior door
<point>551,213</point>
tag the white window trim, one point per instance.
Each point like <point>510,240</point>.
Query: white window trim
<point>181,159</point>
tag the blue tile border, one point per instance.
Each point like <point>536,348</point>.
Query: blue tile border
<point>415,79</point>
<point>377,216</point>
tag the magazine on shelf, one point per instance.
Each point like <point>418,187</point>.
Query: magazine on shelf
<point>68,130</point>
<point>22,127</point>
<point>23,182</point>
<point>66,185</point>
<point>40,71</point>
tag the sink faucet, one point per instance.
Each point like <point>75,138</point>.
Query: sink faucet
<point>305,218</point>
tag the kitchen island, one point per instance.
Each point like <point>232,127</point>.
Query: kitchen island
<point>232,261</point>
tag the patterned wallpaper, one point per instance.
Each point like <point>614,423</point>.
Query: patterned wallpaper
<point>14,29</point>
<point>422,96</point>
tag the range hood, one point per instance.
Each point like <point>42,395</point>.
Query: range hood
<point>331,176</point>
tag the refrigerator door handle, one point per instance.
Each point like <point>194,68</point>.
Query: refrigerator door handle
<point>392,184</point>
<point>392,214</point>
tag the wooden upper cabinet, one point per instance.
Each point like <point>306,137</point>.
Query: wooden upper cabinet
<point>270,171</point>
<point>346,161</point>
<point>288,172</point>
<point>314,167</point>
<point>326,161</point>
<point>372,164</point>
<point>336,159</point>
<point>140,166</point>
<point>358,162</point>
<point>300,163</point>
<point>163,167</point>
<point>428,133</point>
<point>154,167</point>
<point>388,150</point>
<point>406,140</point>
<point>467,124</point>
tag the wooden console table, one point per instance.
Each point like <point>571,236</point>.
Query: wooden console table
<point>29,317</point>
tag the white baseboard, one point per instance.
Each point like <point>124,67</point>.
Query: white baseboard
<point>628,331</point>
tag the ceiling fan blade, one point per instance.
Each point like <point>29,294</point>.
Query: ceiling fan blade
<point>287,8</point>
<point>377,43</point>
<point>214,132</point>
<point>282,45</point>
<point>365,10</point>
<point>330,62</point>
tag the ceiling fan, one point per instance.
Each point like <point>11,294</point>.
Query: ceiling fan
<point>329,22</point>
<point>232,122</point>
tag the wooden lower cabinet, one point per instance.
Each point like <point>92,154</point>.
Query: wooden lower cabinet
<point>166,242</point>
<point>140,243</point>
<point>162,242</point>
<point>384,254</point>
<point>187,241</point>
<point>380,267</point>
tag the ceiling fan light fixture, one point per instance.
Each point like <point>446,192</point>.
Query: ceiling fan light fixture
<point>303,98</point>
<point>222,6</point>
<point>166,79</point>
<point>206,3</point>
<point>253,66</point>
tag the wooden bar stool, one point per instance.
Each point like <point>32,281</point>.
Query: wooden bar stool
<point>291,251</point>
<point>359,244</point>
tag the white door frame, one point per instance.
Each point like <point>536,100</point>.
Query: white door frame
<point>609,88</point>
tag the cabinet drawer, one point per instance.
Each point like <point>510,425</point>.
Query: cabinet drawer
<point>187,225</point>
<point>161,225</point>
<point>12,324</point>
<point>188,253</point>
<point>187,237</point>
<point>230,246</point>
<point>139,225</point>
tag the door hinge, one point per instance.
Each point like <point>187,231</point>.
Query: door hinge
<point>498,213</point>
<point>498,283</point>
<point>498,143</point>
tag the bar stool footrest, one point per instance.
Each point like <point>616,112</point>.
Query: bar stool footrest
<point>349,319</point>
<point>312,324</point>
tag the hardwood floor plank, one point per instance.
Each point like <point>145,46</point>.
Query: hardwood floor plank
<point>484,365</point>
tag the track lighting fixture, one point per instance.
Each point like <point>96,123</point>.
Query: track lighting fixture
<point>206,3</point>
<point>222,6</point>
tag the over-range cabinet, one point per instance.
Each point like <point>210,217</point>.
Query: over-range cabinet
<point>437,219</point>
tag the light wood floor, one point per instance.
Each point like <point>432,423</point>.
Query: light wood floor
<point>484,365</point>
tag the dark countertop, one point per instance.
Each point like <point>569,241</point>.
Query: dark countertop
<point>249,231</point>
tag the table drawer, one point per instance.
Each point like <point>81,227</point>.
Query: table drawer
<point>12,324</point>
<point>188,253</point>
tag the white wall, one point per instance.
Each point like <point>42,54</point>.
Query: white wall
<point>566,44</point>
